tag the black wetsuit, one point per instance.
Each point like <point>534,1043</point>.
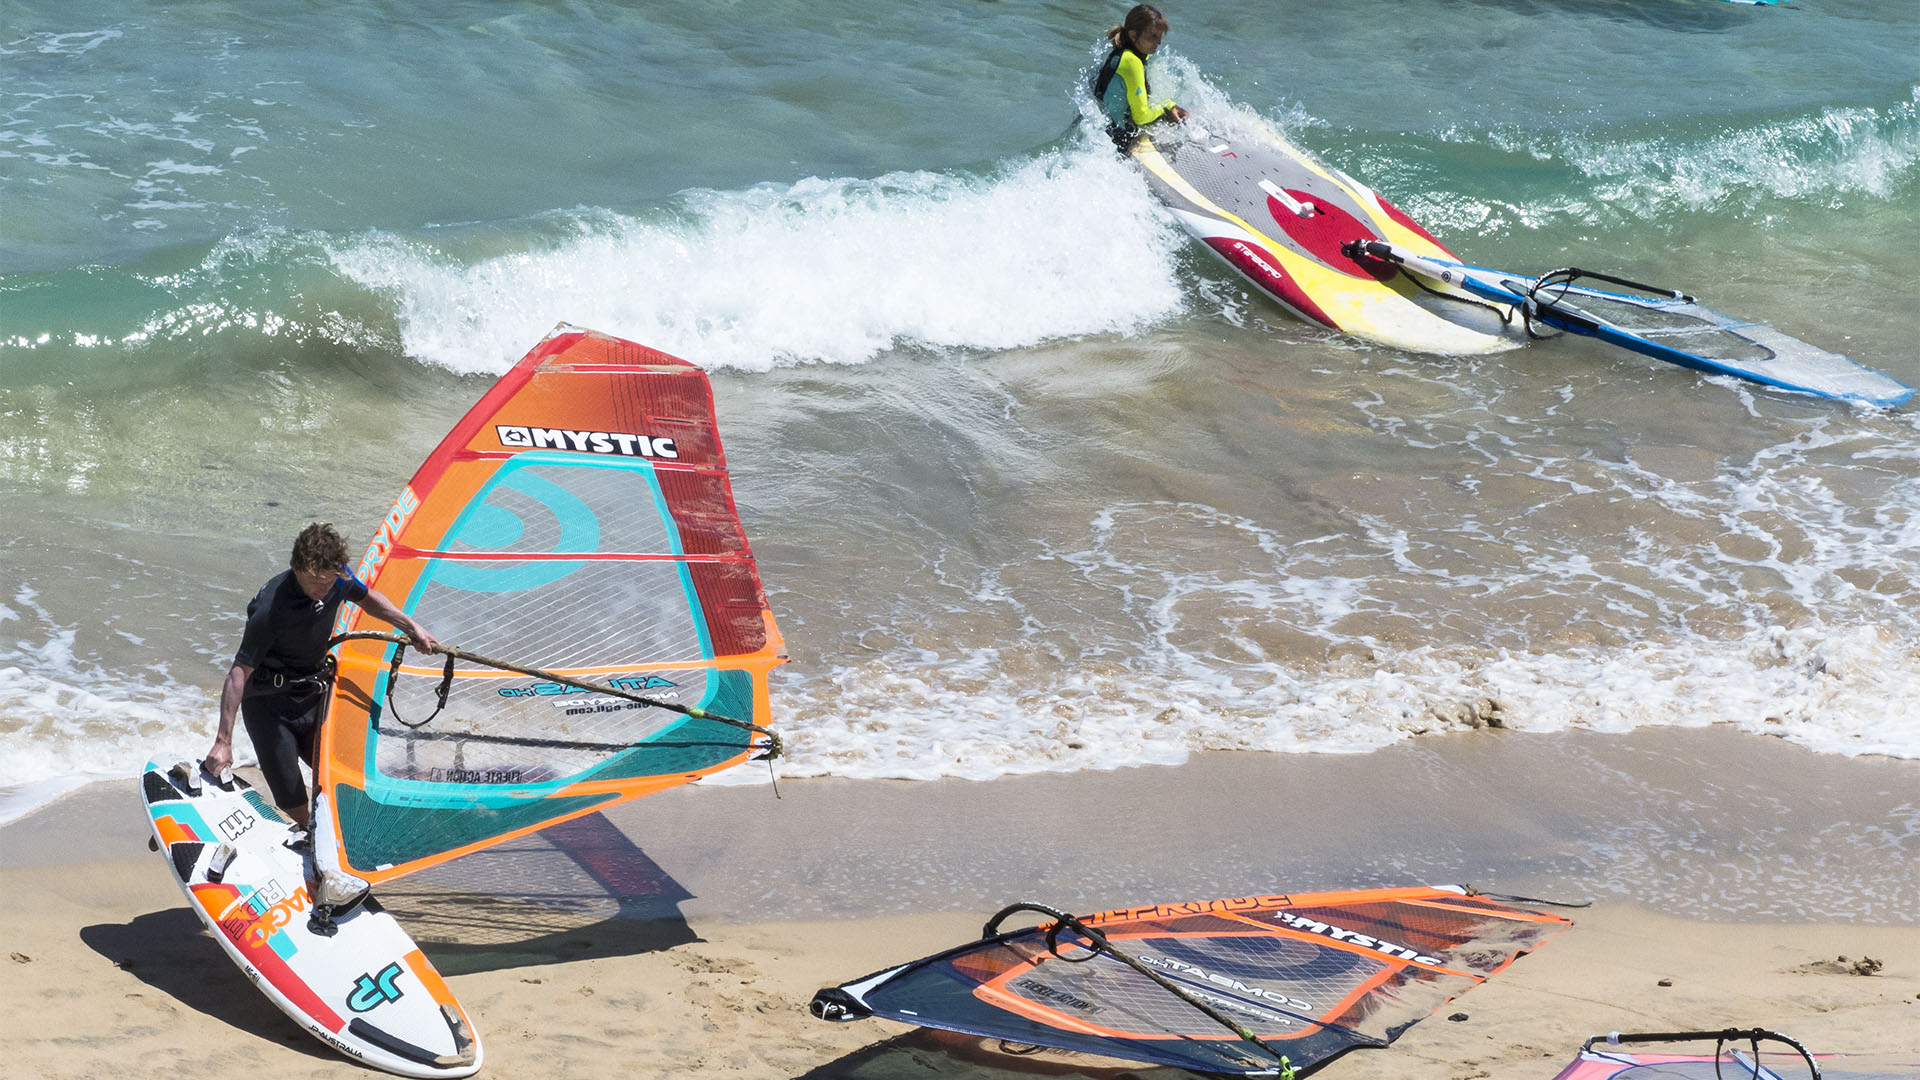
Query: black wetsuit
<point>285,644</point>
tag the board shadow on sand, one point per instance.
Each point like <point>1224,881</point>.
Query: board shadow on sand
<point>170,952</point>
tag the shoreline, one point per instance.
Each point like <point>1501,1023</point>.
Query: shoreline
<point>726,908</point>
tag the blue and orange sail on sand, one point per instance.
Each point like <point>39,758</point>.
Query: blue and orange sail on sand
<point>1252,986</point>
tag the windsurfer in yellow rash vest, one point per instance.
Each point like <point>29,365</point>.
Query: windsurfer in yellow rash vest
<point>280,676</point>
<point>1130,106</point>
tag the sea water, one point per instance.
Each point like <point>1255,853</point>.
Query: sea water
<point>1034,483</point>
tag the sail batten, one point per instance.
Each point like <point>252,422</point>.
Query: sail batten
<point>579,521</point>
<point>610,556</point>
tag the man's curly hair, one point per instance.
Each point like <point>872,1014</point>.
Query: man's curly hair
<point>319,550</point>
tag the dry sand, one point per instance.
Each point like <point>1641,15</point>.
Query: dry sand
<point>1734,868</point>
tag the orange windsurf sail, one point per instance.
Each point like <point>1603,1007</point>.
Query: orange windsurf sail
<point>578,521</point>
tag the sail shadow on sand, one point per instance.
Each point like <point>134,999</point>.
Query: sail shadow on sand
<point>579,890</point>
<point>947,1055</point>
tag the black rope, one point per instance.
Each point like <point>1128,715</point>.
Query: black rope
<point>1574,274</point>
<point>393,679</point>
<point>1354,249</point>
<point>1509,898</point>
<point>1531,307</point>
<point>1752,1037</point>
<point>1563,279</point>
<point>1099,944</point>
<point>1506,313</point>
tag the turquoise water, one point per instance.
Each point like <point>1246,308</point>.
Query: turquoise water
<point>1035,483</point>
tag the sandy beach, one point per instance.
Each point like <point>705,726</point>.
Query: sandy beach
<point>736,906</point>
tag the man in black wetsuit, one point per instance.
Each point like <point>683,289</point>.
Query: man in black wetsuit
<point>280,674</point>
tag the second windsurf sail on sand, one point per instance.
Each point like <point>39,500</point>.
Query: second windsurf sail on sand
<point>1254,986</point>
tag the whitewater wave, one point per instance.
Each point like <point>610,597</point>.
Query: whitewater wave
<point>69,720</point>
<point>834,270</point>
<point>1064,243</point>
<point>1832,689</point>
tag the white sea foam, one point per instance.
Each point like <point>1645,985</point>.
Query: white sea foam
<point>68,720</point>
<point>1203,682</point>
<point>1776,595</point>
<point>833,270</point>
<point>69,44</point>
<point>1830,154</point>
<point>1833,691</point>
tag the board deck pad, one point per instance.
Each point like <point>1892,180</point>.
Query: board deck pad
<point>367,990</point>
<point>1279,218</point>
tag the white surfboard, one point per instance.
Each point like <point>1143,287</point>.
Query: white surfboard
<point>1279,218</point>
<point>365,989</point>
